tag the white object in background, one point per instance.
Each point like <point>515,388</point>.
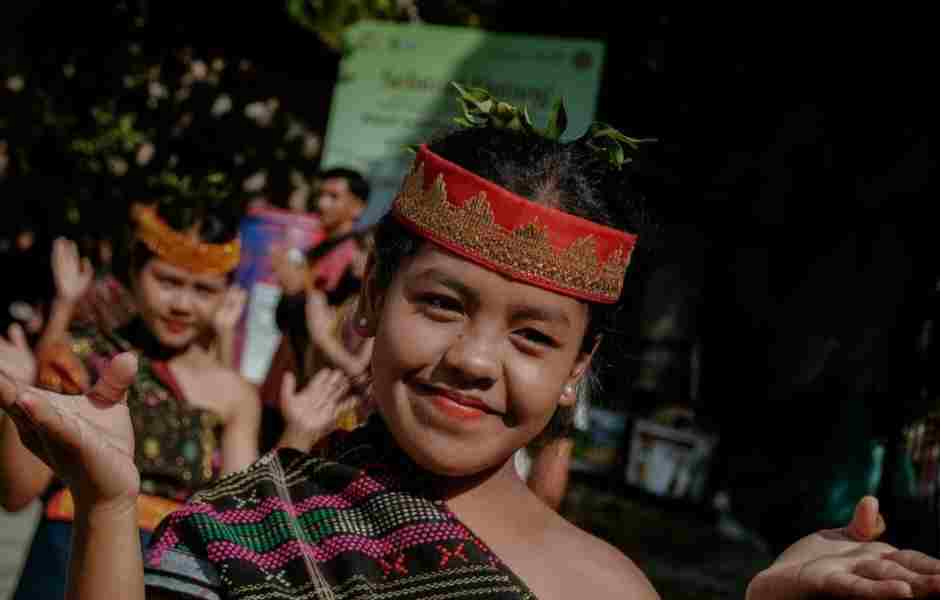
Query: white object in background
<point>667,461</point>
<point>261,333</point>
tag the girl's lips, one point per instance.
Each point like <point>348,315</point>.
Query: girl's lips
<point>454,403</point>
<point>455,409</point>
<point>175,326</point>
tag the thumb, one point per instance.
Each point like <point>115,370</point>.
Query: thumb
<point>18,337</point>
<point>87,270</point>
<point>867,523</point>
<point>288,387</point>
<point>116,378</point>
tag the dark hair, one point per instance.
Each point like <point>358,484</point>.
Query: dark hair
<point>357,183</point>
<point>216,225</point>
<point>568,176</point>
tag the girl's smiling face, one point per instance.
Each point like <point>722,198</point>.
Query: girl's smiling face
<point>176,304</point>
<point>469,365</point>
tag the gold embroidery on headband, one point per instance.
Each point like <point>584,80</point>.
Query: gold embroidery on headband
<point>182,250</point>
<point>525,251</point>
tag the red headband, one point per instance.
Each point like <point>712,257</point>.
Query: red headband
<point>489,225</point>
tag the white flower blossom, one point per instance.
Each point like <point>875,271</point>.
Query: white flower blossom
<point>117,165</point>
<point>256,182</point>
<point>311,145</point>
<point>16,83</point>
<point>295,129</point>
<point>260,112</point>
<point>222,105</point>
<point>157,90</point>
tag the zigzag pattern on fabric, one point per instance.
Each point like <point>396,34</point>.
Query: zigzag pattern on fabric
<point>371,535</point>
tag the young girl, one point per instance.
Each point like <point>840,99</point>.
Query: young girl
<point>490,288</point>
<point>192,418</point>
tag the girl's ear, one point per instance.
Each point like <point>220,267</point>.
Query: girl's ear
<point>370,301</point>
<point>569,394</point>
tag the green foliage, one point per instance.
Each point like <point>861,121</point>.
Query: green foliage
<point>482,109</point>
<point>145,122</point>
<point>330,18</point>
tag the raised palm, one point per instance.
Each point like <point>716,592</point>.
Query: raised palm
<point>233,304</point>
<point>73,275</point>
<point>848,563</point>
<point>87,440</point>
<point>312,413</point>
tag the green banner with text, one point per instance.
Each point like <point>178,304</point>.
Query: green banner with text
<point>394,89</point>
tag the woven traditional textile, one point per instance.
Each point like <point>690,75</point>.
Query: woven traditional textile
<point>298,527</point>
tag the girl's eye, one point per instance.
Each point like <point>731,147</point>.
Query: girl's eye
<point>537,337</point>
<point>440,303</point>
<point>207,291</point>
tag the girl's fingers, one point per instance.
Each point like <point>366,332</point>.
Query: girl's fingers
<point>320,378</point>
<point>9,392</point>
<point>48,420</point>
<point>288,387</point>
<point>18,337</point>
<point>87,272</point>
<point>336,377</point>
<point>915,561</point>
<point>26,430</point>
<point>849,585</point>
<point>884,570</point>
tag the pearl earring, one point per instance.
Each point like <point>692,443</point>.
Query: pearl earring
<point>361,327</point>
<point>569,389</point>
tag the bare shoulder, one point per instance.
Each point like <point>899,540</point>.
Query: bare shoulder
<point>234,391</point>
<point>611,573</point>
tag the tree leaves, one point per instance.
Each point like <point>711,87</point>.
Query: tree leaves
<point>330,18</point>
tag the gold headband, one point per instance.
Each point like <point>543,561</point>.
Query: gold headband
<point>181,250</point>
<point>491,226</point>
